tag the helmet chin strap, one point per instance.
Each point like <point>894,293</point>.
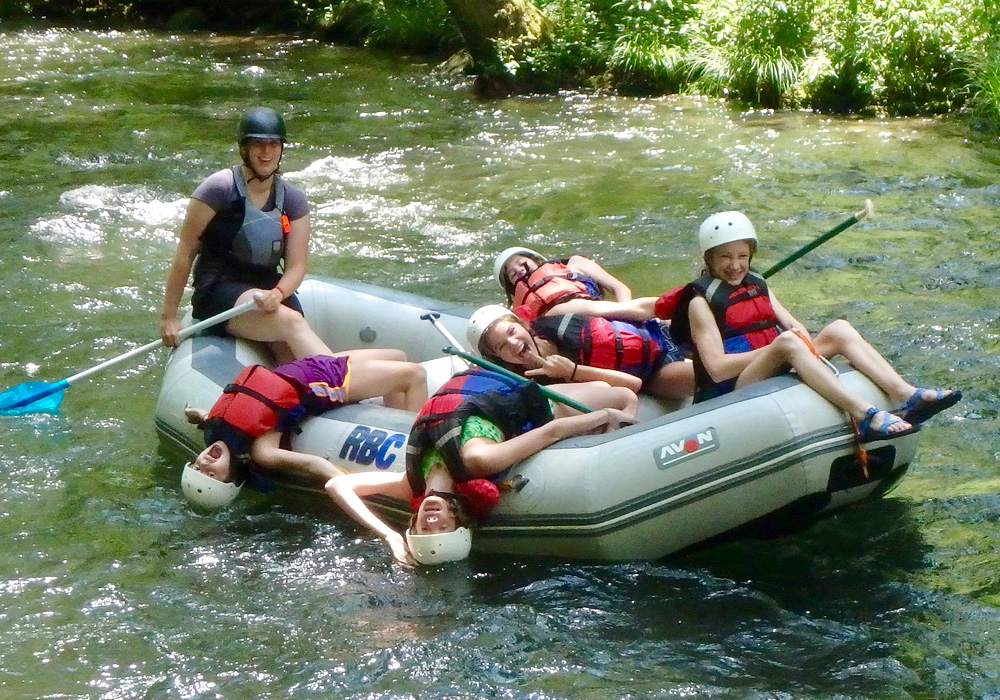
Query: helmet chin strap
<point>538,350</point>
<point>257,175</point>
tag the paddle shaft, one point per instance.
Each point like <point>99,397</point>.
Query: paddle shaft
<point>867,212</point>
<point>184,334</point>
<point>555,396</point>
<point>56,387</point>
<point>433,317</point>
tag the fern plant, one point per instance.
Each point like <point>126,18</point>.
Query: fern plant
<point>649,52</point>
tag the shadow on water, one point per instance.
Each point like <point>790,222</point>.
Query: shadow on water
<point>827,612</point>
<point>822,569</point>
<point>833,611</point>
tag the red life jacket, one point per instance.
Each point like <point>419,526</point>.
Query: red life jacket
<point>514,406</point>
<point>549,284</point>
<point>744,314</point>
<point>598,342</point>
<point>745,317</point>
<point>257,401</point>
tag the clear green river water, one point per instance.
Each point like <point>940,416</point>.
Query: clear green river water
<point>112,588</point>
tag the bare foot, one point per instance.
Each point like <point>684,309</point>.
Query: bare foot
<point>195,416</point>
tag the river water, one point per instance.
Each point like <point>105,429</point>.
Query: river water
<point>112,588</point>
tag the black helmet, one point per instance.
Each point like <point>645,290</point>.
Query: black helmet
<point>262,123</point>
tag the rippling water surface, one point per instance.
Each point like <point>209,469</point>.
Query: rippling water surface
<point>110,587</point>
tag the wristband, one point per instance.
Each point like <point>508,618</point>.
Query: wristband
<point>573,376</point>
<point>280,291</point>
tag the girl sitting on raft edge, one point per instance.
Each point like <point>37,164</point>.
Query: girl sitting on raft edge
<point>740,333</point>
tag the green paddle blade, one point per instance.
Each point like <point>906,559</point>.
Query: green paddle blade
<point>32,397</point>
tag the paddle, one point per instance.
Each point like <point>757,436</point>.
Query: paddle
<point>866,213</point>
<point>555,396</point>
<point>667,302</point>
<point>45,397</point>
<point>433,317</point>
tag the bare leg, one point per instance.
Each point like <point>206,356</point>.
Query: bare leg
<point>640,309</point>
<point>283,325</point>
<point>374,354</point>
<point>402,384</point>
<point>673,381</point>
<point>596,395</point>
<point>282,353</point>
<point>841,338</point>
<point>788,350</point>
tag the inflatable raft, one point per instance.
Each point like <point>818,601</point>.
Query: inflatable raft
<point>773,452</point>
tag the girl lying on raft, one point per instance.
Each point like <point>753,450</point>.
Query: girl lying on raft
<point>247,427</point>
<point>537,287</point>
<point>575,347</point>
<point>740,334</point>
<point>475,427</point>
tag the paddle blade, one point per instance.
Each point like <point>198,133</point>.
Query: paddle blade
<point>32,397</point>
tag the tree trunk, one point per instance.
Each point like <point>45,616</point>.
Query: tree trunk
<point>494,32</point>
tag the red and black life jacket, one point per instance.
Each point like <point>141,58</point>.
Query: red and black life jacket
<point>599,342</point>
<point>257,401</point>
<point>549,284</point>
<point>745,317</point>
<point>514,406</point>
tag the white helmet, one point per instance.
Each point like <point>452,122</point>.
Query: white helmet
<point>202,490</point>
<point>481,320</point>
<point>441,547</point>
<point>506,255</point>
<point>725,227</point>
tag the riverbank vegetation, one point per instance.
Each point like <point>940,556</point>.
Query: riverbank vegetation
<point>897,57</point>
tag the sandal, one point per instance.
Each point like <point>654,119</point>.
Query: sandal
<point>867,432</point>
<point>917,409</point>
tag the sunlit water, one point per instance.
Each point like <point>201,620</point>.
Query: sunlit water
<point>111,587</point>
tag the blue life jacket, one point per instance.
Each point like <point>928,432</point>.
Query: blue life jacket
<point>514,406</point>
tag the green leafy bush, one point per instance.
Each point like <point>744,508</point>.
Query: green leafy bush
<point>915,49</point>
<point>754,50</point>
<point>894,56</point>
<point>837,75</point>
<point>650,49</point>
<point>984,86</point>
<point>576,53</point>
<point>424,26</point>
